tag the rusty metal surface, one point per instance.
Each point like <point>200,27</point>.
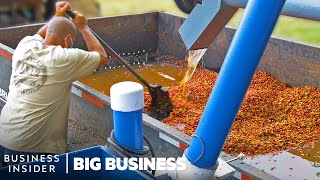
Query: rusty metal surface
<point>294,63</point>
<point>12,36</point>
<point>169,40</point>
<point>125,34</point>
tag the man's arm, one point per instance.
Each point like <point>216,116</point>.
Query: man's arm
<point>92,42</point>
<point>42,31</point>
<point>61,8</point>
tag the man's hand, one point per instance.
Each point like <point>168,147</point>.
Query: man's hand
<point>92,42</point>
<point>80,21</point>
<point>61,8</point>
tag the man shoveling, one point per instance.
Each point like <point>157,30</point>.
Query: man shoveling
<point>35,118</point>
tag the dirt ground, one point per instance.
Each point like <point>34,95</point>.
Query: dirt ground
<point>80,137</point>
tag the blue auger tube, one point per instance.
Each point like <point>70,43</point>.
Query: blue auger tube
<point>241,61</point>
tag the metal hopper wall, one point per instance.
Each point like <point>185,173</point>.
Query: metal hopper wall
<point>294,63</point>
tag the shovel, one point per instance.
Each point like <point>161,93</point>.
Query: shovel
<point>161,104</point>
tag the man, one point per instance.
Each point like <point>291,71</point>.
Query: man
<point>35,117</point>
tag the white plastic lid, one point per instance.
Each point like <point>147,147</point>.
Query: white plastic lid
<point>126,96</point>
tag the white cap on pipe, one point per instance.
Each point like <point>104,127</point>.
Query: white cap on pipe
<point>126,96</point>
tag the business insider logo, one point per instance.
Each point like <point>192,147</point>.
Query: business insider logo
<point>44,163</point>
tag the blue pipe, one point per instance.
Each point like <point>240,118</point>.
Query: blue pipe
<point>234,79</point>
<point>127,102</point>
<point>128,129</point>
<point>306,9</point>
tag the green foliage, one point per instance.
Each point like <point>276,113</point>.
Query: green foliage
<point>290,28</point>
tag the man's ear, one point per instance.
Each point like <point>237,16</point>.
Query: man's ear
<point>68,41</point>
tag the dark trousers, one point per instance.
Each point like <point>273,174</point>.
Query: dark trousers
<point>4,151</point>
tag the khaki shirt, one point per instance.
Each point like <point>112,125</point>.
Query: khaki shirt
<point>35,117</point>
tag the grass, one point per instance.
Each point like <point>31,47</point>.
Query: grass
<point>118,7</point>
<point>291,28</point>
<point>287,27</point>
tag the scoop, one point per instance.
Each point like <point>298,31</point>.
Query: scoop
<point>161,104</point>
